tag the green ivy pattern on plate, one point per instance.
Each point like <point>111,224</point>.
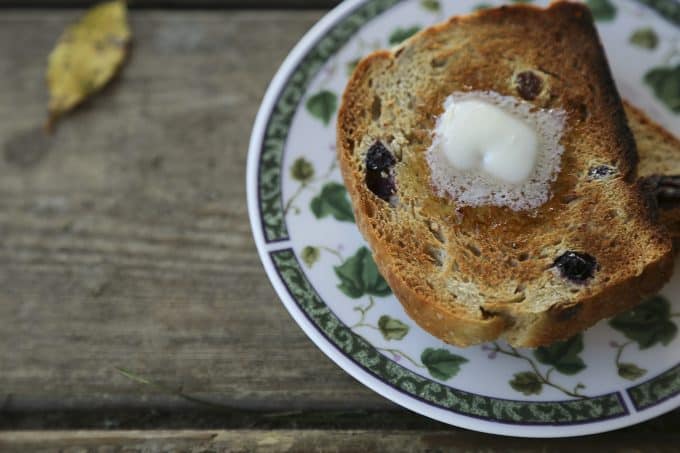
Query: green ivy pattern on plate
<point>402,34</point>
<point>602,10</point>
<point>431,5</point>
<point>669,9</point>
<point>358,277</point>
<point>561,357</point>
<point>648,324</point>
<point>664,78</point>
<point>645,38</point>
<point>322,105</point>
<point>665,82</point>
<point>439,362</point>
<point>365,322</point>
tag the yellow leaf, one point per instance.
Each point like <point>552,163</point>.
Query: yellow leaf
<point>87,55</point>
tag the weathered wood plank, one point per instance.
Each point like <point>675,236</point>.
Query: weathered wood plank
<point>146,416</point>
<point>321,440</point>
<point>188,4</point>
<point>203,417</point>
<point>124,238</point>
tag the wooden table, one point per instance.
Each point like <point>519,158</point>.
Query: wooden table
<point>124,243</point>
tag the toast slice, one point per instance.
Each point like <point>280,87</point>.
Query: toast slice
<point>473,274</point>
<point>659,153</point>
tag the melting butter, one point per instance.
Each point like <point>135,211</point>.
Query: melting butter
<point>476,135</point>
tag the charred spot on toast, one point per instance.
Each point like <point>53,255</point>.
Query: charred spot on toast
<point>529,85</point>
<point>601,171</point>
<point>379,175</point>
<point>576,266</point>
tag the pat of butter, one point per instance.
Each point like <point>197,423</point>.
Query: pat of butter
<point>475,135</point>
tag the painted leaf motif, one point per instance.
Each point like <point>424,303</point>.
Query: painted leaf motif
<point>392,329</point>
<point>482,6</point>
<point>332,201</point>
<point>527,383</point>
<point>563,355</point>
<point>87,56</point>
<point>302,170</point>
<point>359,275</point>
<point>665,83</point>
<point>430,5</point>
<point>602,10</point>
<point>630,371</point>
<point>645,38</point>
<point>400,34</point>
<point>310,255</point>
<point>441,363</point>
<point>322,105</point>
<point>647,324</point>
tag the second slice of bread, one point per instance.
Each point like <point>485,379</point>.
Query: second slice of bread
<point>659,153</point>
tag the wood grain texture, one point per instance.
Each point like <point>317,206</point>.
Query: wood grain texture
<point>188,4</point>
<point>124,238</point>
<point>322,440</point>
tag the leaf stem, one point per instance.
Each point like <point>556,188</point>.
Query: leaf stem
<point>363,324</point>
<point>549,372</point>
<point>299,190</point>
<point>545,379</point>
<point>673,52</point>
<point>307,184</point>
<point>402,354</point>
<point>331,167</point>
<point>617,359</point>
<point>363,311</point>
<point>332,251</point>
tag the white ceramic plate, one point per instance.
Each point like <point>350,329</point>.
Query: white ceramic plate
<point>618,373</point>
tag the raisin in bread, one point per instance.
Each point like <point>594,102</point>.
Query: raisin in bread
<point>473,274</point>
<point>659,153</point>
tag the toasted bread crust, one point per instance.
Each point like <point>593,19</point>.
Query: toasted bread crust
<point>659,152</point>
<point>436,294</point>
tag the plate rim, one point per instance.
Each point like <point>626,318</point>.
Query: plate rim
<point>331,350</point>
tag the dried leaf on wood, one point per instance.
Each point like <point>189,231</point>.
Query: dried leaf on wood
<point>87,56</point>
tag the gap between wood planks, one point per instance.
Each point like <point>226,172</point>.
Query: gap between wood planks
<point>322,440</point>
<point>211,418</point>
